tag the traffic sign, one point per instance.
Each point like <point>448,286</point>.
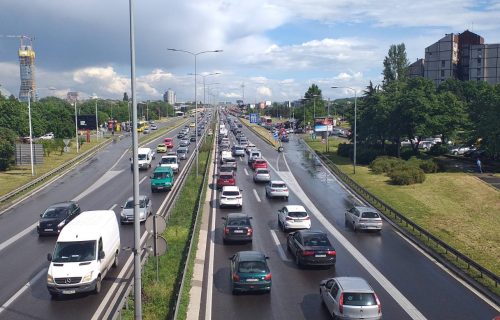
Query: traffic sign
<point>160,222</point>
<point>254,118</point>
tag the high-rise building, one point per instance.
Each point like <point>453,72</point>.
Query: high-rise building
<point>169,97</point>
<point>27,70</point>
<point>441,59</point>
<point>484,63</point>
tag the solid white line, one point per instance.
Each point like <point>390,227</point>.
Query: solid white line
<point>116,296</point>
<point>21,291</point>
<point>256,195</point>
<point>278,245</point>
<point>123,154</point>
<point>246,172</point>
<point>109,175</point>
<point>142,180</point>
<point>113,207</point>
<point>18,236</point>
<point>210,279</point>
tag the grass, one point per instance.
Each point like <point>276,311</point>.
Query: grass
<point>458,208</point>
<point>263,132</point>
<point>158,297</point>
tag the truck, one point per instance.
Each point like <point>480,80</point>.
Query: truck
<point>85,251</point>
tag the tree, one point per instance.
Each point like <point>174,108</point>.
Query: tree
<point>7,148</point>
<point>395,64</point>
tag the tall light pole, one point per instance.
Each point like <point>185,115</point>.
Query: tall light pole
<point>204,76</point>
<point>355,120</point>
<point>76,129</point>
<point>195,96</point>
<point>31,133</point>
<point>96,119</point>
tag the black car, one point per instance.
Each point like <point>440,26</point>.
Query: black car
<point>237,227</point>
<point>56,217</point>
<point>180,135</point>
<point>312,248</point>
<point>192,139</point>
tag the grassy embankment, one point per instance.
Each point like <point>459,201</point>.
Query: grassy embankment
<point>263,132</point>
<point>458,208</point>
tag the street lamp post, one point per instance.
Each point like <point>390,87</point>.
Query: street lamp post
<point>204,76</point>
<point>195,96</point>
<point>355,121</point>
<point>76,128</point>
<point>96,120</point>
<point>31,133</point>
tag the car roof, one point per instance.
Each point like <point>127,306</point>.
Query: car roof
<point>251,256</point>
<point>306,232</point>
<point>230,188</point>
<point>295,208</point>
<point>353,284</point>
<point>61,204</point>
<point>277,181</point>
<point>237,215</point>
<point>141,197</point>
<point>365,209</point>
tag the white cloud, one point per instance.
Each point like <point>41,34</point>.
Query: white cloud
<point>264,91</point>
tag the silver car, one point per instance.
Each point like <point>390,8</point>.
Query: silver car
<point>277,189</point>
<point>182,153</point>
<point>145,209</point>
<point>363,218</point>
<point>261,175</point>
<point>350,298</point>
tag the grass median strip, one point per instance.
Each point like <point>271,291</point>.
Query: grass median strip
<point>159,297</point>
<point>458,208</point>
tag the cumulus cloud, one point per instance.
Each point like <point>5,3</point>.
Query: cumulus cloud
<point>264,91</point>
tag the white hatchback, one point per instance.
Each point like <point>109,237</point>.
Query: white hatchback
<point>293,217</point>
<point>277,188</point>
<point>231,196</point>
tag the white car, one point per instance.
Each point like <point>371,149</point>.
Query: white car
<point>363,218</point>
<point>261,175</point>
<point>293,217</point>
<point>47,136</point>
<point>145,209</point>
<point>231,196</point>
<point>459,150</point>
<point>171,161</point>
<point>277,188</point>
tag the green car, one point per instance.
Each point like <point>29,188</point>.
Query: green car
<point>162,179</point>
<point>249,272</point>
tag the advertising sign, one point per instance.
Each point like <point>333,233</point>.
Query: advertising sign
<point>86,122</point>
<point>323,124</point>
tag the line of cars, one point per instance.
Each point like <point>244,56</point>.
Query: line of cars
<point>344,297</point>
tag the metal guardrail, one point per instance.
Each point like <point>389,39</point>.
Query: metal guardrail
<point>52,172</point>
<point>396,215</point>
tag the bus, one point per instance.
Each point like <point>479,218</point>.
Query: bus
<point>266,121</point>
<point>141,125</point>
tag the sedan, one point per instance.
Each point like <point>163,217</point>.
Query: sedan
<point>261,175</point>
<point>182,153</point>
<point>237,227</point>
<point>154,127</point>
<point>311,248</point>
<point>145,209</point>
<point>161,148</point>
<point>259,163</point>
<point>56,217</point>
<point>184,143</point>
<point>363,218</point>
<point>350,298</point>
<point>293,217</point>
<point>250,272</point>
<point>276,189</point>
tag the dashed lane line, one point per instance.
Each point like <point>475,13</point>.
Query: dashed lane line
<point>256,195</point>
<point>278,246</point>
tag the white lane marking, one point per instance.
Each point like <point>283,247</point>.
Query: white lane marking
<point>18,236</point>
<point>113,207</point>
<point>405,304</point>
<point>277,162</point>
<point>256,195</point>
<point>21,291</point>
<point>116,296</point>
<point>246,172</point>
<point>109,175</point>
<point>210,280</point>
<point>278,245</point>
<point>123,154</point>
<point>241,159</point>
<point>142,180</point>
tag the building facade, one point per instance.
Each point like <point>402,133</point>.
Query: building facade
<point>27,72</point>
<point>169,97</point>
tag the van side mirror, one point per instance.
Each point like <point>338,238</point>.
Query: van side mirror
<point>101,255</point>
<point>49,256</point>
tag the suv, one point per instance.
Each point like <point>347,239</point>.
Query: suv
<point>238,151</point>
<point>56,217</point>
<point>350,298</point>
<point>231,196</point>
<point>277,188</point>
<point>182,153</point>
<point>293,217</point>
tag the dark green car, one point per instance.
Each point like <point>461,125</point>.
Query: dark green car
<point>249,272</point>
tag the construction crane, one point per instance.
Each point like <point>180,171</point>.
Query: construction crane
<point>26,67</point>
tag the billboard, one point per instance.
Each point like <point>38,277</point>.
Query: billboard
<point>323,124</point>
<point>86,122</point>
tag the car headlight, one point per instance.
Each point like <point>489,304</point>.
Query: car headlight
<point>88,277</point>
<point>50,279</point>
<point>122,214</point>
<point>61,224</point>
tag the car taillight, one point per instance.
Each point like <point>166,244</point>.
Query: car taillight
<point>307,253</point>
<point>306,218</point>
<point>331,253</point>
<point>236,277</point>
<point>286,190</point>
<point>226,230</point>
<point>267,277</point>
<point>238,197</point>
<point>378,304</point>
<point>289,218</point>
<point>249,231</point>
<point>341,303</point>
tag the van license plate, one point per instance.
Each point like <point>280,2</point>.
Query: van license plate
<point>68,291</point>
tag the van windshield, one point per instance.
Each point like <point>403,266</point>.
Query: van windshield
<point>142,156</point>
<point>78,251</point>
<point>168,160</point>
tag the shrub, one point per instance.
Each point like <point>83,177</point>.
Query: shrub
<point>406,153</point>
<point>406,175</point>
<point>384,164</point>
<point>365,155</point>
<point>345,150</point>
<point>438,149</point>
<point>428,166</point>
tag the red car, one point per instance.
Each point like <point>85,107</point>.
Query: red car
<point>169,143</point>
<point>259,163</point>
<point>226,179</point>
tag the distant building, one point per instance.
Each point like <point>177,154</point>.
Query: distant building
<point>169,97</point>
<point>462,56</point>
<point>27,71</point>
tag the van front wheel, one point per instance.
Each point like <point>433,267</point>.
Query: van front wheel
<point>97,289</point>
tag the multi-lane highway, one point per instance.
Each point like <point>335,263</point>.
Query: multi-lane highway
<point>102,182</point>
<point>410,284</point>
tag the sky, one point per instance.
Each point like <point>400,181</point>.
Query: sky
<point>271,49</point>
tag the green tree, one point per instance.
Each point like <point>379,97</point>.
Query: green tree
<point>7,148</point>
<point>395,64</point>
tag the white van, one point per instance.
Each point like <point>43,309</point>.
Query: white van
<point>171,161</point>
<point>84,252</point>
<point>145,156</point>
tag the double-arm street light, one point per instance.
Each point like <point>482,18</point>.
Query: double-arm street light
<point>204,76</point>
<point>355,120</point>
<point>195,94</point>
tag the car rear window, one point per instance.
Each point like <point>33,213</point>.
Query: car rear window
<point>226,176</point>
<point>278,185</point>
<point>370,215</point>
<point>230,193</point>
<point>359,299</point>
<point>262,171</point>
<point>244,222</point>
<point>297,214</point>
<point>230,160</point>
<point>252,267</point>
<point>316,241</point>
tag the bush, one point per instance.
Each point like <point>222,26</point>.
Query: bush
<point>406,153</point>
<point>384,164</point>
<point>406,175</point>
<point>345,150</point>
<point>428,166</point>
<point>438,149</point>
<point>365,155</point>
